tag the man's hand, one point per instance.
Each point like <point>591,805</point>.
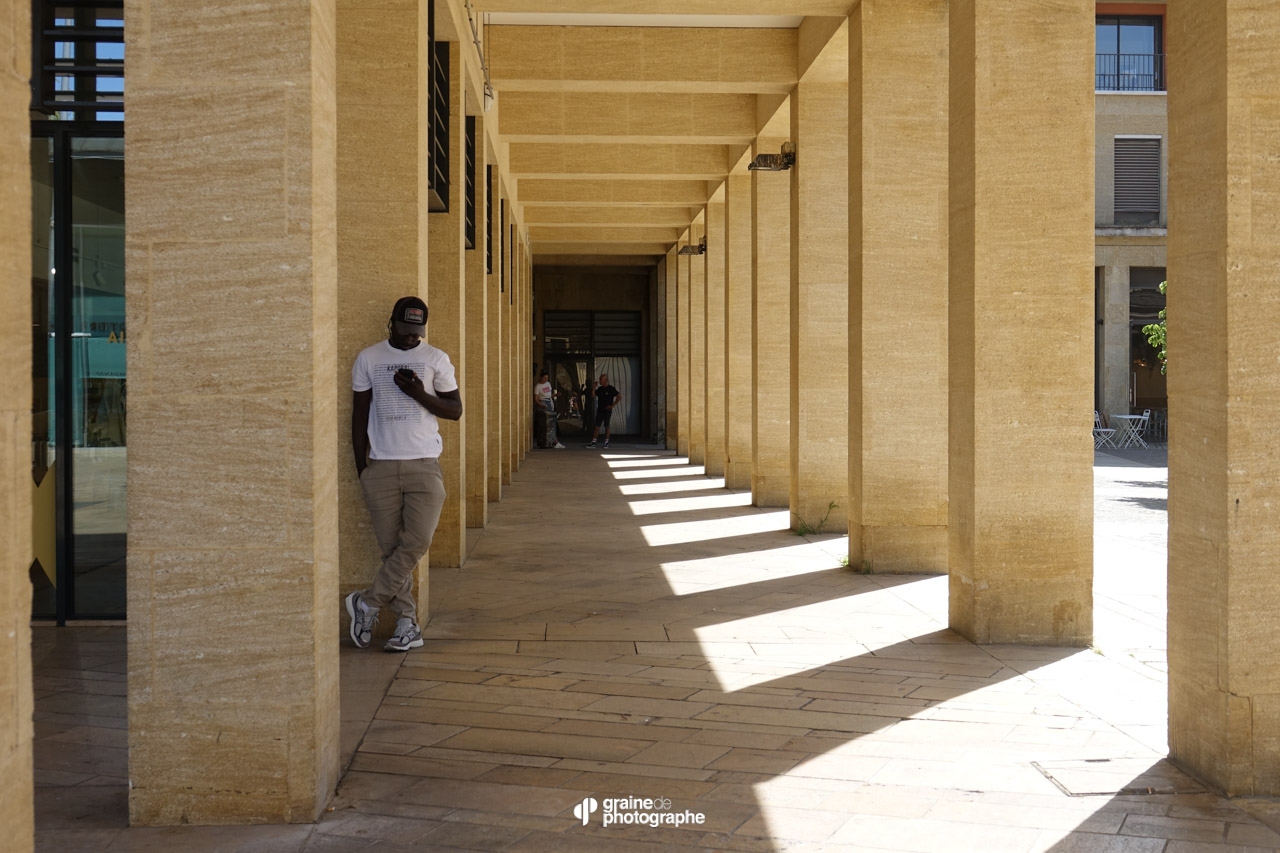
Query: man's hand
<point>410,383</point>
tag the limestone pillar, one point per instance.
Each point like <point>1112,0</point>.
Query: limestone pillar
<point>684,348</point>
<point>1117,343</point>
<point>446,326</point>
<point>738,341</point>
<point>495,330</point>
<point>513,383</point>
<point>697,345</point>
<point>1224,261</point>
<point>714,327</point>
<point>16,810</point>
<point>671,295</point>
<point>233,451</point>
<point>1020,526</point>
<point>898,286</point>
<point>771,332</point>
<point>526,348</point>
<point>475,393</point>
<point>819,391</point>
<point>381,229</point>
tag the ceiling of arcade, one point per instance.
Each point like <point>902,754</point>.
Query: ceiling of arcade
<point>624,117</point>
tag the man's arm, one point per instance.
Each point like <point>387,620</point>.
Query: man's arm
<point>446,404</point>
<point>360,403</point>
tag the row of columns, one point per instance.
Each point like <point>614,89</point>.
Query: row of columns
<point>246,311</point>
<point>914,337</point>
<point>248,294</point>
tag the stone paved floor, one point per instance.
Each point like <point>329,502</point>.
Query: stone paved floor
<point>628,628</point>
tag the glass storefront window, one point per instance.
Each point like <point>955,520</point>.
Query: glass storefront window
<point>79,420</point>
<point>97,374</point>
<point>44,475</point>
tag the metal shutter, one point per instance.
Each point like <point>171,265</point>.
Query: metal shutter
<point>1137,166</point>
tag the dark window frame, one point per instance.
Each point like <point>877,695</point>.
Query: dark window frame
<point>437,119</point>
<point>469,185</point>
<point>83,101</point>
<point>1130,72</point>
<point>488,220</point>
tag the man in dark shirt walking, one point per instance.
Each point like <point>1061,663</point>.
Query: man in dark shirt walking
<point>606,398</point>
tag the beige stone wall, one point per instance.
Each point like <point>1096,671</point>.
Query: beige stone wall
<point>898,286</point>
<point>738,340</point>
<point>1224,262</point>
<point>714,327</point>
<point>1126,114</point>
<point>771,331</point>
<point>233,503</point>
<point>1020,459</point>
<point>381,228</point>
<point>447,323</point>
<point>819,387</point>
<point>476,392</point>
<point>16,808</point>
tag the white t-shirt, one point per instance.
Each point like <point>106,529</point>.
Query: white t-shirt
<point>399,427</point>
<point>543,392</point>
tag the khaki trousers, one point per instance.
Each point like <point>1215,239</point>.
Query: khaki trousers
<point>404,497</point>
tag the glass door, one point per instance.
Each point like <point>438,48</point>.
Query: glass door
<point>79,395</point>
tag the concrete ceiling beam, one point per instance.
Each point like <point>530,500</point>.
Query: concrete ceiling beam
<point>627,116</point>
<point>629,161</point>
<point>642,59</point>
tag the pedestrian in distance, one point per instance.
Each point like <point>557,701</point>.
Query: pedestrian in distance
<point>606,398</point>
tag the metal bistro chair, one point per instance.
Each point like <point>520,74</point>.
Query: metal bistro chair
<point>1102,436</point>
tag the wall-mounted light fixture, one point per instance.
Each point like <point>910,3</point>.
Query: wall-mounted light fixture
<point>700,249</point>
<point>775,162</point>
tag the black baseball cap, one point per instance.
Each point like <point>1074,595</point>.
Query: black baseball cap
<point>409,317</point>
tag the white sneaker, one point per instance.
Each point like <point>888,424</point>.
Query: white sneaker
<point>559,446</point>
<point>362,620</point>
<point>407,636</point>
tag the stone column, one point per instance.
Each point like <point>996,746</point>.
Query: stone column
<point>525,330</point>
<point>738,341</point>
<point>381,230</point>
<point>513,360</point>
<point>697,346</point>
<point>1224,482</point>
<point>475,394</point>
<point>497,347</point>
<point>684,347</point>
<point>819,391</point>
<point>16,809</point>
<point>446,327</point>
<point>233,452</point>
<point>714,326</point>
<point>770,332</point>
<point>655,350</point>
<point>1117,341</point>
<point>672,295</point>
<point>1020,477</point>
<point>898,286</point>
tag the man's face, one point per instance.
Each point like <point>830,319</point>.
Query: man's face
<point>408,341</point>
<point>604,379</point>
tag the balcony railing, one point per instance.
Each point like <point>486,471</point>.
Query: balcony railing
<point>1129,72</point>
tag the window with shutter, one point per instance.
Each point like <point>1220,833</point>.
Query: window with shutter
<point>1137,180</point>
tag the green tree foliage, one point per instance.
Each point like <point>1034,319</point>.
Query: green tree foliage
<point>1155,333</point>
